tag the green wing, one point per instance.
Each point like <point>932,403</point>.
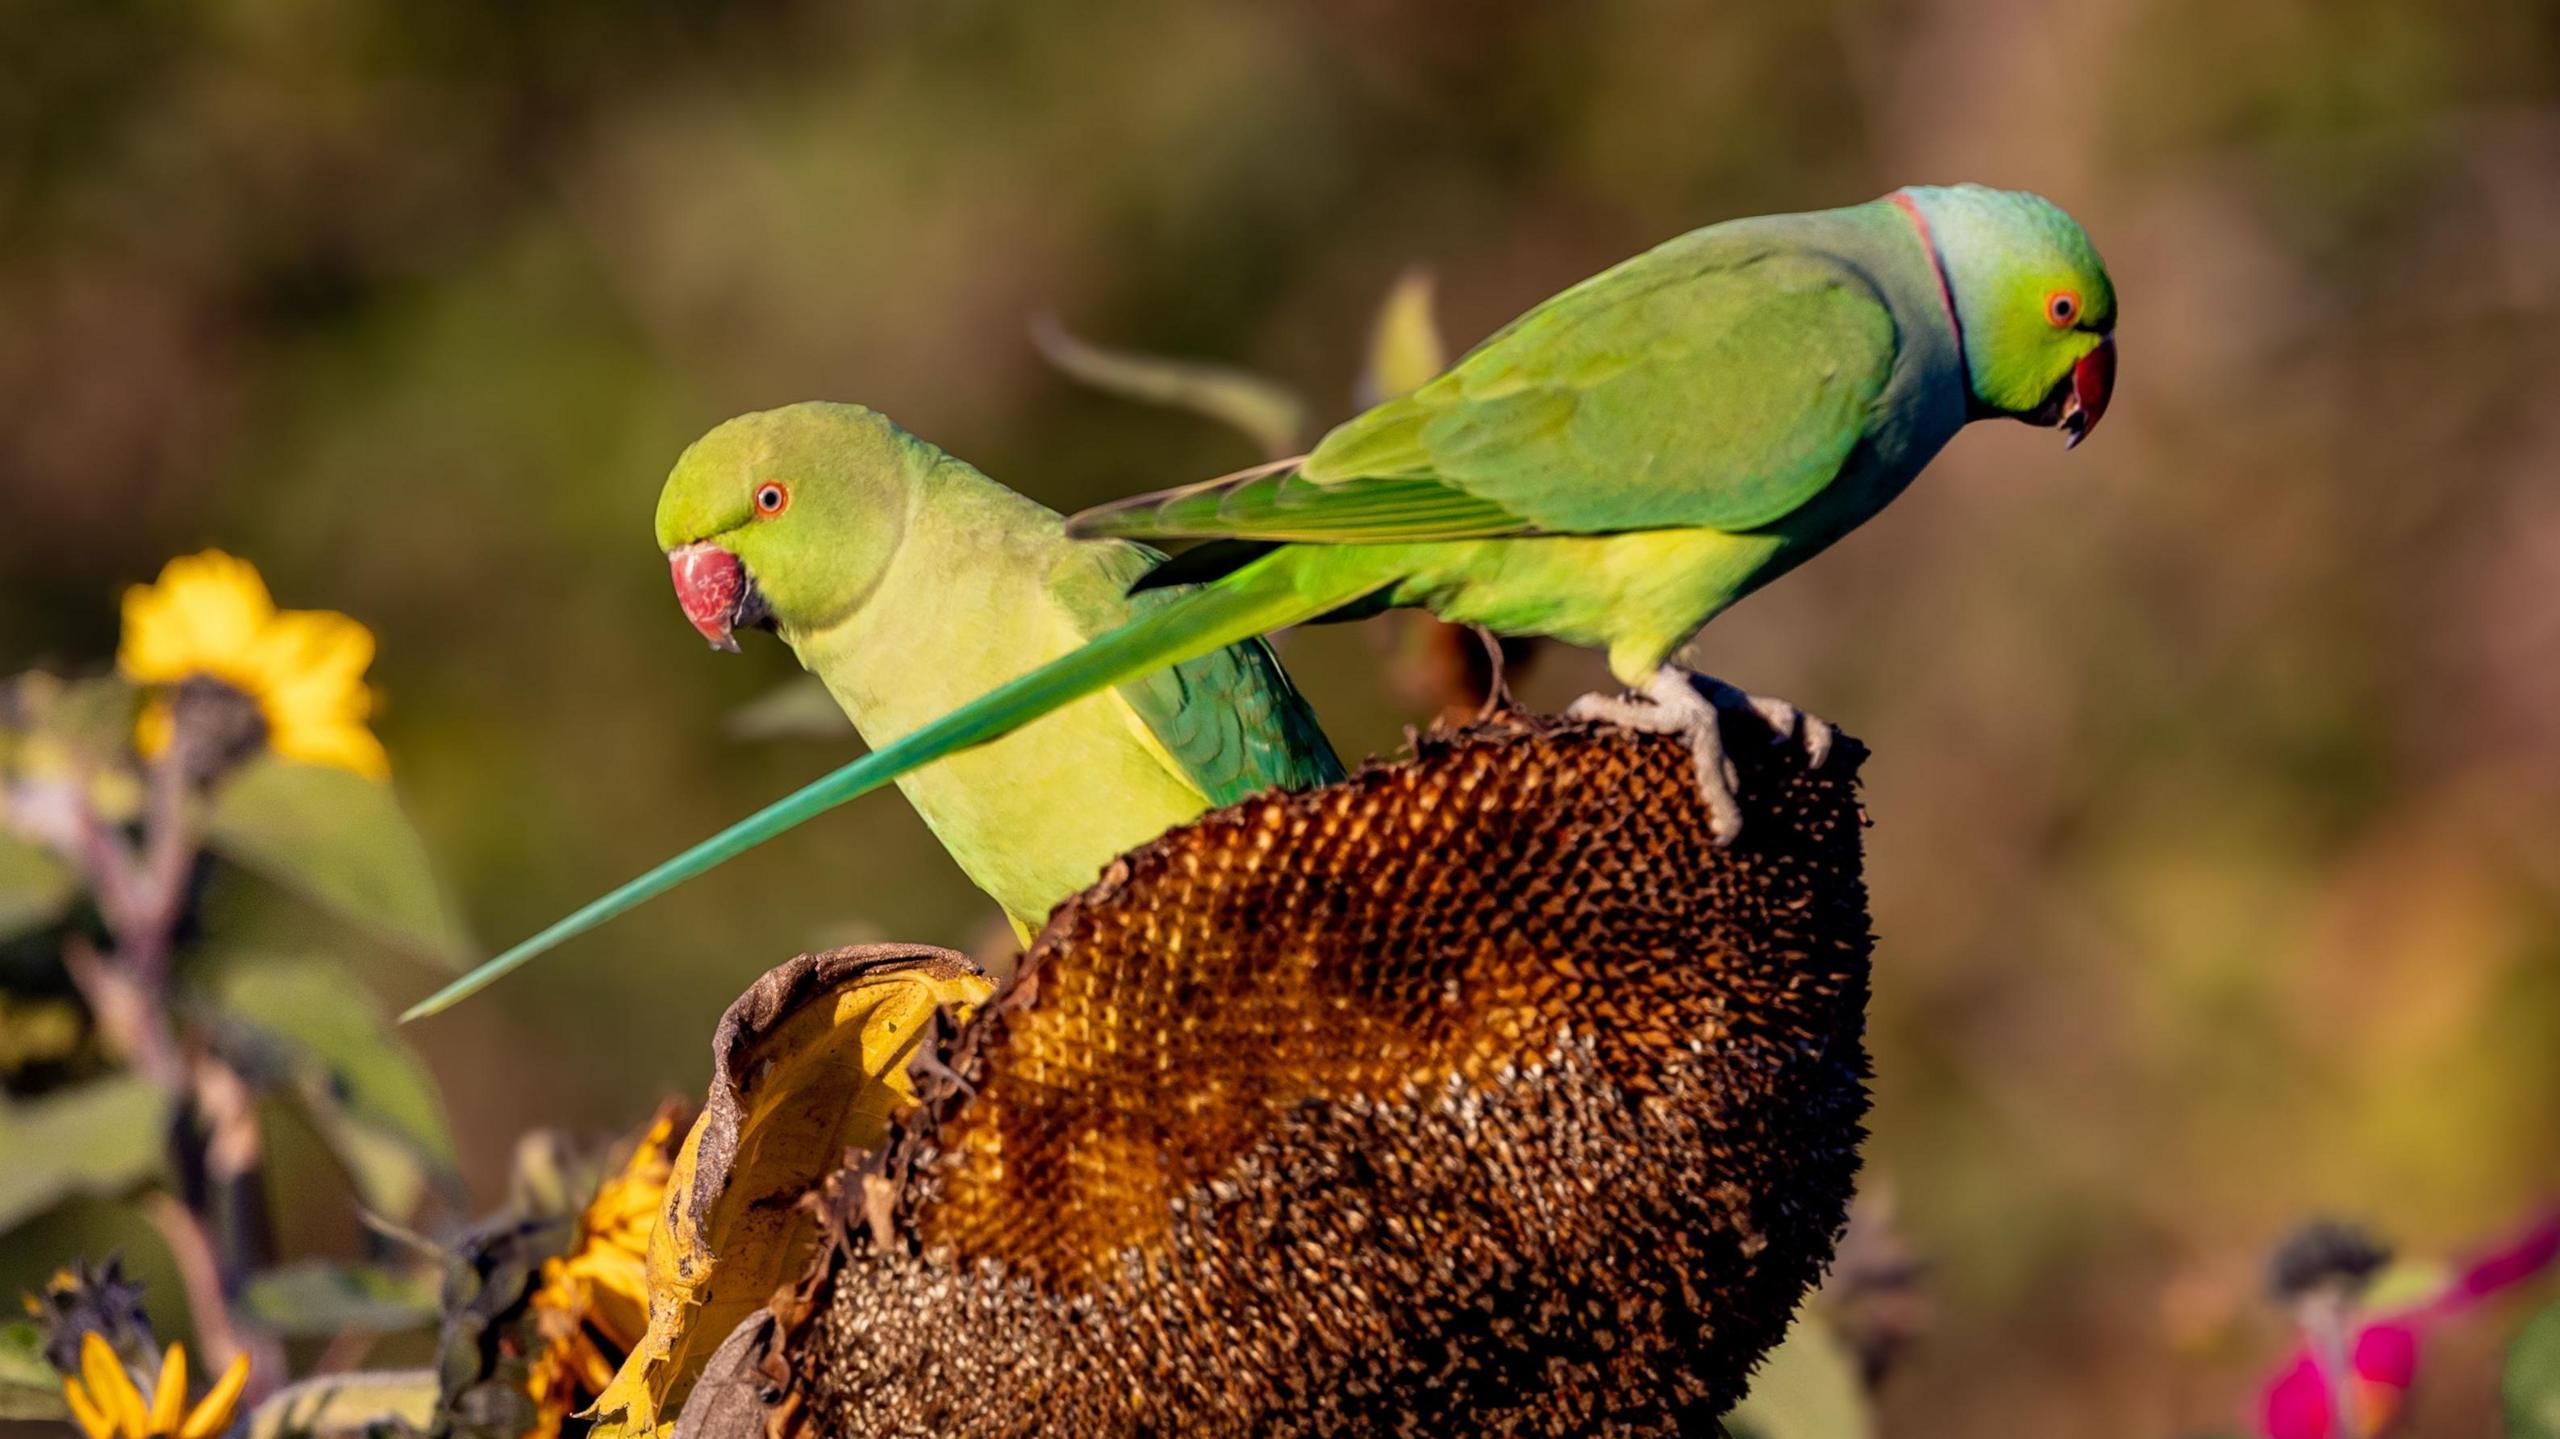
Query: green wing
<point>1231,718</point>
<point>1717,382</point>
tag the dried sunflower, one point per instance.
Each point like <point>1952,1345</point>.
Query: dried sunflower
<point>593,1305</point>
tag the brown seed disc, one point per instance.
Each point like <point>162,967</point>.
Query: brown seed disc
<point>1478,1093</point>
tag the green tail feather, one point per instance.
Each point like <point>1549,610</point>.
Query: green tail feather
<point>1253,602</point>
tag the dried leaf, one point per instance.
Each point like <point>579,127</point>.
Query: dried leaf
<point>102,1137</point>
<point>810,1060</point>
<point>1405,350</point>
<point>341,841</point>
<point>480,1363</point>
<point>728,1402</point>
<point>1265,411</point>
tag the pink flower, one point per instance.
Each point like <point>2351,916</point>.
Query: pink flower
<point>2382,1361</point>
<point>2384,1365</point>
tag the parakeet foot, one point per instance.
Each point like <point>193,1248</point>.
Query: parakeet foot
<point>1785,721</point>
<point>1677,702</point>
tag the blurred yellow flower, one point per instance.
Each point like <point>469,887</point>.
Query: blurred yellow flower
<point>107,1403</point>
<point>208,617</point>
<point>593,1305</point>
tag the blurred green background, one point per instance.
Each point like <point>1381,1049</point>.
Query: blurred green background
<point>2217,779</point>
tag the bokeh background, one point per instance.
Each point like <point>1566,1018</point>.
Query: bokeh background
<point>2217,776</point>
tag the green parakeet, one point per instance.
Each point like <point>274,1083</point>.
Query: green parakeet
<point>910,583</point>
<point>1614,468</point>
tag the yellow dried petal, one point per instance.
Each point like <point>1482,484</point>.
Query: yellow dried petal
<point>828,1038</point>
<point>93,1421</point>
<point>595,1371</point>
<point>169,1396</point>
<point>212,1414</point>
<point>110,1386</point>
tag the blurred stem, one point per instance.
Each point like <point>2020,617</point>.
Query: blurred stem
<point>232,1148</point>
<point>131,1019</point>
<point>168,854</point>
<point>214,1139</point>
<point>199,1273</point>
<point>2327,1318</point>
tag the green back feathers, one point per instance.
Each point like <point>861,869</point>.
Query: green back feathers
<point>1719,381</point>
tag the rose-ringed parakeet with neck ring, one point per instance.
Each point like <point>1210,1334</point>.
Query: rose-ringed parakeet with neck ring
<point>1614,468</point>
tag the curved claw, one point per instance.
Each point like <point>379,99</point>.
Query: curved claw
<point>1819,734</point>
<point>1677,702</point>
<point>1671,704</point>
<point>1785,721</point>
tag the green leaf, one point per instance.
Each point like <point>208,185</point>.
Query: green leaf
<point>317,1299</point>
<point>35,886</point>
<point>2531,1388</point>
<point>1265,411</point>
<point>29,1389</point>
<point>103,1137</point>
<point>342,841</point>
<point>798,708</point>
<point>1405,351</point>
<point>1807,1388</point>
<point>363,1087</point>
<point>397,1401</point>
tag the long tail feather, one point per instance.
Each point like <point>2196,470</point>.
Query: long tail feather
<point>1251,603</point>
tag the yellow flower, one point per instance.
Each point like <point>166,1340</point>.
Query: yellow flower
<point>107,1403</point>
<point>209,617</point>
<point>593,1305</point>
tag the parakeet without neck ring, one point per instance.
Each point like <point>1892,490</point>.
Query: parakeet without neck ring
<point>910,583</point>
<point>1614,468</point>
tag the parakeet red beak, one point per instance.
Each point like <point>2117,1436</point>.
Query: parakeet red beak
<point>712,587</point>
<point>2093,383</point>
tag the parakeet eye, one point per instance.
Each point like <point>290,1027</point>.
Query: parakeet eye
<point>2061,308</point>
<point>770,498</point>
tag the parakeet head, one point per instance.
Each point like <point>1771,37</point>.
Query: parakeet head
<point>786,519</point>
<point>2032,298</point>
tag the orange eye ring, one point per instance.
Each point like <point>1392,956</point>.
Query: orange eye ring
<point>771,498</point>
<point>2062,309</point>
